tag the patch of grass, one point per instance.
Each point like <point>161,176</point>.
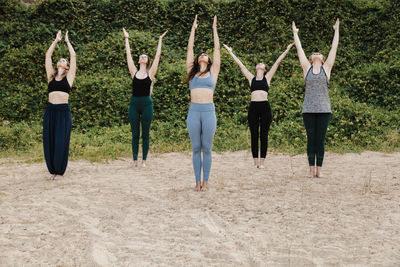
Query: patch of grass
<point>23,141</point>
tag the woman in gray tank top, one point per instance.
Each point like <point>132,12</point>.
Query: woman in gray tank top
<point>317,105</point>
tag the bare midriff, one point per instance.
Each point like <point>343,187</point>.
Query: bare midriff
<point>259,95</point>
<point>201,95</point>
<point>58,97</point>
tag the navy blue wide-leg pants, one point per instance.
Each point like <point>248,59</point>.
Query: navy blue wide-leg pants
<point>56,135</point>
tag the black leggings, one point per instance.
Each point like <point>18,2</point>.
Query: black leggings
<point>316,126</point>
<point>259,117</point>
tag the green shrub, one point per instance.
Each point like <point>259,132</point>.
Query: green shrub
<point>364,86</point>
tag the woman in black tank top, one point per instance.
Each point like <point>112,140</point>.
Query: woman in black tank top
<point>57,118</point>
<point>141,104</point>
<point>259,115</point>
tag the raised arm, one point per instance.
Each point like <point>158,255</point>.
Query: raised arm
<point>190,54</point>
<point>242,67</point>
<point>332,54</point>
<point>154,66</point>
<point>305,64</point>
<point>49,53</point>
<point>131,66</point>
<point>274,67</point>
<point>72,64</point>
<point>217,52</point>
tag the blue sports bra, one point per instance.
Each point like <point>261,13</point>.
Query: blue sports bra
<point>207,82</point>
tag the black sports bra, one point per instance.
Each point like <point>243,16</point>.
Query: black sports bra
<point>141,87</point>
<point>259,85</point>
<point>62,86</point>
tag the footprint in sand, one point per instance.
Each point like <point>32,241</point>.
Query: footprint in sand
<point>242,249</point>
<point>101,255</point>
<point>292,261</point>
<point>211,226</point>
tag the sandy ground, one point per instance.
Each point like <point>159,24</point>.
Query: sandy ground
<point>116,215</point>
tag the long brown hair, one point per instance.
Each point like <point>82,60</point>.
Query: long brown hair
<point>196,67</point>
<point>148,65</point>
<point>265,72</point>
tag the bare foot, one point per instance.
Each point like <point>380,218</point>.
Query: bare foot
<point>52,176</point>
<point>198,187</point>
<point>144,164</point>
<point>261,163</point>
<point>319,175</point>
<point>135,163</point>
<point>57,177</point>
<point>255,162</point>
<point>204,187</point>
<point>311,173</point>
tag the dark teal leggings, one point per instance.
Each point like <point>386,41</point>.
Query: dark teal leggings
<point>140,111</point>
<point>316,127</point>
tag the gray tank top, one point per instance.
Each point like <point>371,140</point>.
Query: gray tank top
<point>316,98</point>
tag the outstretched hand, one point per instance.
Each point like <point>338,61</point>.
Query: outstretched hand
<point>195,23</point>
<point>126,34</point>
<point>336,26</point>
<point>228,48</point>
<point>162,35</point>
<point>295,30</point>
<point>215,22</point>
<point>289,46</point>
<point>58,37</point>
<point>66,37</point>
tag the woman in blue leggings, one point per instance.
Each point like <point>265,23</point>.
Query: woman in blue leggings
<point>201,120</point>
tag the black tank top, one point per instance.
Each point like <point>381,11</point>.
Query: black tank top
<point>259,85</point>
<point>141,87</point>
<point>62,86</point>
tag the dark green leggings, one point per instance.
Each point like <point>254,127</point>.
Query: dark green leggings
<point>316,126</point>
<point>140,111</point>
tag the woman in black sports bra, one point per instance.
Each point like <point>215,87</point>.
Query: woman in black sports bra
<point>141,104</point>
<point>57,118</point>
<point>259,116</point>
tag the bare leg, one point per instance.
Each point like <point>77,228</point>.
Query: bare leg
<point>198,186</point>
<point>319,175</point>
<point>255,162</point>
<point>262,163</point>
<point>204,186</point>
<point>311,174</point>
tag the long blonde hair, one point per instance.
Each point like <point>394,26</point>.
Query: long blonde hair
<point>323,58</point>
<point>55,72</point>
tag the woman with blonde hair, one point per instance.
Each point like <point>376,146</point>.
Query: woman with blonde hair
<point>57,118</point>
<point>317,105</point>
<point>259,114</point>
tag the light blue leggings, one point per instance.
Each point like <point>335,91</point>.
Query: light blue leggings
<point>201,123</point>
